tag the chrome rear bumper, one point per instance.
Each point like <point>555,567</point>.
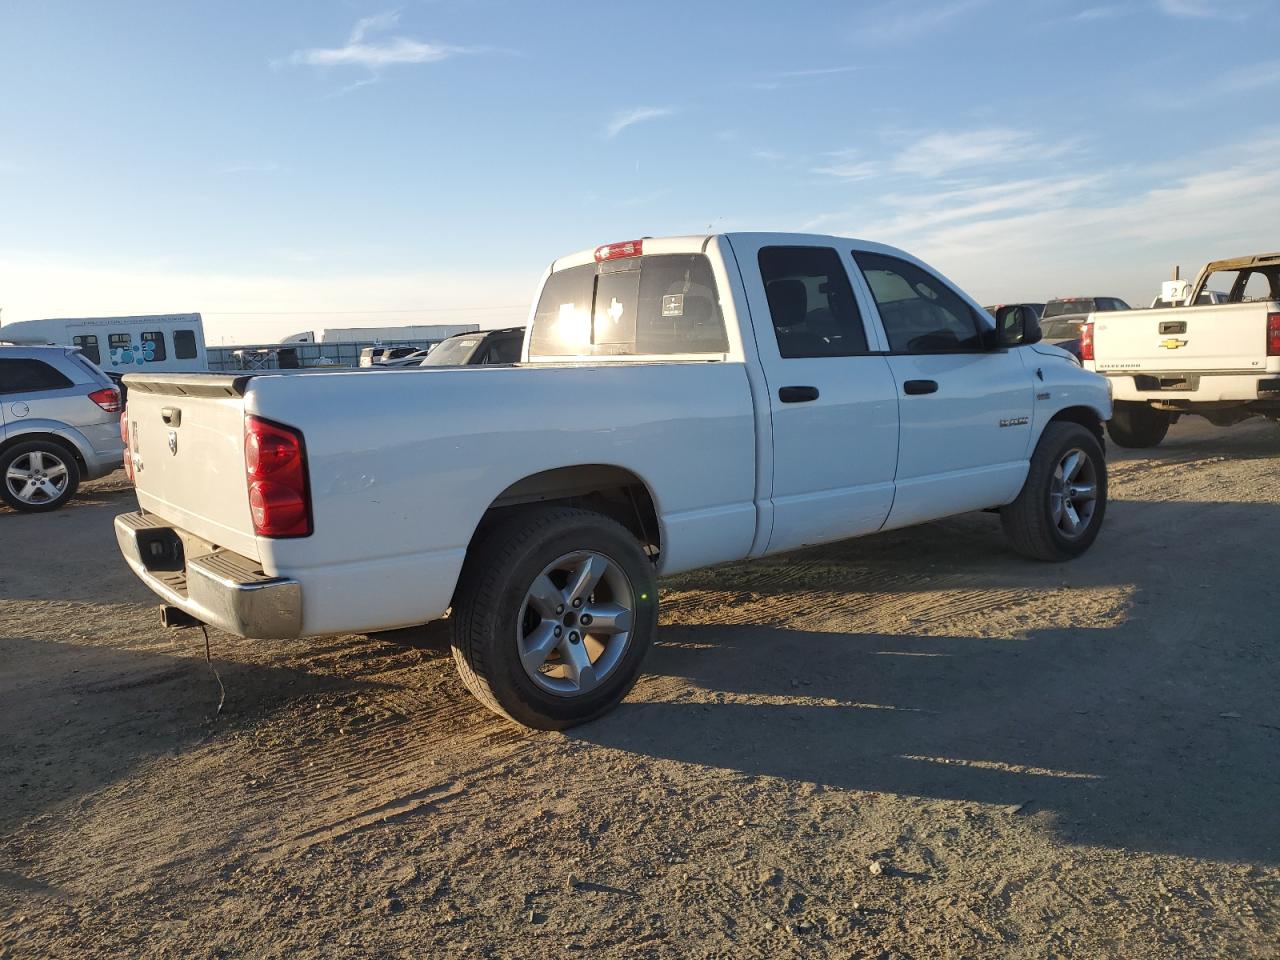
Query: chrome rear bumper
<point>216,586</point>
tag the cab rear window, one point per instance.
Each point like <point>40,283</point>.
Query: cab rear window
<point>655,305</point>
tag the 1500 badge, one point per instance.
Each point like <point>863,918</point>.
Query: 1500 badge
<point>1015,421</point>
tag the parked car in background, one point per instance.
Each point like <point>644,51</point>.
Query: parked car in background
<point>397,359</point>
<point>1206,298</point>
<point>1220,361</point>
<point>1065,316</point>
<point>59,425</point>
<point>374,356</point>
<point>683,401</point>
<point>476,349</point>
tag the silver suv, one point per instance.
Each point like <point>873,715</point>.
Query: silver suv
<point>59,424</point>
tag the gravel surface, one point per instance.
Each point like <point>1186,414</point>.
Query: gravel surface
<point>914,745</point>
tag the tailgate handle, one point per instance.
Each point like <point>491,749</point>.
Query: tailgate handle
<point>1173,326</point>
<point>172,416</point>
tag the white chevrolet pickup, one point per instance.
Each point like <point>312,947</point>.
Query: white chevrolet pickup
<point>679,402</point>
<point>1218,360</point>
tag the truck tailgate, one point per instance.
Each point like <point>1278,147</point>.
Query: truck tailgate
<point>186,439</point>
<point>1226,337</point>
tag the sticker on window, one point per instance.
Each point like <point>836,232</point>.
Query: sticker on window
<point>673,305</point>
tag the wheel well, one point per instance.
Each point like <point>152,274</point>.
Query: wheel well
<point>615,492</point>
<point>1086,417</point>
<point>48,438</point>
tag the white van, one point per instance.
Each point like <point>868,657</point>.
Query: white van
<point>171,342</point>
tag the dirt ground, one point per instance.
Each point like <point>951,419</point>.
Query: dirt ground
<point>915,745</point>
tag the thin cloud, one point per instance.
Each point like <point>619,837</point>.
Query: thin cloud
<point>848,165</point>
<point>1254,77</point>
<point>1092,14</point>
<point>819,71</point>
<point>364,51</point>
<point>1203,9</point>
<point>374,24</point>
<point>629,118</point>
<point>904,19</point>
<point>939,154</point>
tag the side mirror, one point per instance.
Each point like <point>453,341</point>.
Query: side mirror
<point>1017,327</point>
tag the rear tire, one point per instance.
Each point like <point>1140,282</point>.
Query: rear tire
<point>1136,425</point>
<point>1059,512</point>
<point>554,613</point>
<point>38,476</point>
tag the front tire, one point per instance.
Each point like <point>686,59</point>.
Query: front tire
<point>1059,512</point>
<point>38,476</point>
<point>554,613</point>
<point>1136,425</point>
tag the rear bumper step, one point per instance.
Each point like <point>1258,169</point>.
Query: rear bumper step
<point>220,588</point>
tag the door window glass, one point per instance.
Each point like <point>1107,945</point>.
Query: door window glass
<point>88,345</point>
<point>153,346</point>
<point>184,344</point>
<point>504,350</point>
<point>20,375</point>
<point>920,313</point>
<point>811,303</point>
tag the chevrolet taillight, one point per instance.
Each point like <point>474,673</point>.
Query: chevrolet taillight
<point>1086,340</point>
<point>275,466</point>
<point>1273,334</point>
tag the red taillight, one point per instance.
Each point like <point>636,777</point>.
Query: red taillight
<point>108,398</point>
<point>1273,334</point>
<point>616,251</point>
<point>1086,340</point>
<point>124,438</point>
<point>276,468</point>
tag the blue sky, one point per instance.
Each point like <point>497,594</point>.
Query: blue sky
<point>265,162</point>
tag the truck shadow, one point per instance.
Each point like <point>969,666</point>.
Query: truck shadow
<point>1152,726</point>
<point>1193,437</point>
<point>77,717</point>
<point>1178,758</point>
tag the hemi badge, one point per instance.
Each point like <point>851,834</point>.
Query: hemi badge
<point>1173,343</point>
<point>1015,422</point>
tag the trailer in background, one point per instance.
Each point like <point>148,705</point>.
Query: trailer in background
<point>169,342</point>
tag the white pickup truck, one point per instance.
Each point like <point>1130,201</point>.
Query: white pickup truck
<point>679,402</point>
<point>1218,360</point>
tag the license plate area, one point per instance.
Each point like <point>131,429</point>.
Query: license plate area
<point>1167,382</point>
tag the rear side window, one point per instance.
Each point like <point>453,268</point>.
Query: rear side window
<point>184,344</point>
<point>153,346</point>
<point>29,376</point>
<point>920,313</point>
<point>660,305</point>
<point>503,350</point>
<point>88,345</point>
<point>811,303</point>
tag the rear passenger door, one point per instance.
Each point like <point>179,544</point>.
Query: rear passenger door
<point>832,400</point>
<point>965,408</point>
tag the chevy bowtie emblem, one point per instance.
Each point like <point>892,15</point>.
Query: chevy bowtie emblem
<point>1173,343</point>
<point>173,442</point>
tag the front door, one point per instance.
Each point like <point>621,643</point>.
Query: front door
<point>832,402</point>
<point>965,408</point>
